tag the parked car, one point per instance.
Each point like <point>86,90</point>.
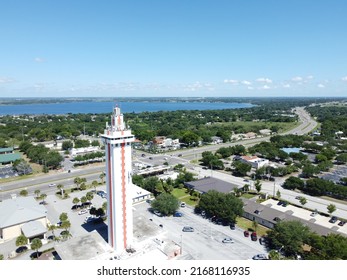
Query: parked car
<point>232,226</point>
<point>254,236</point>
<point>52,185</point>
<point>183,204</point>
<point>333,220</point>
<point>341,223</point>
<point>188,229</point>
<point>156,212</point>
<point>83,211</point>
<point>262,240</point>
<point>177,214</point>
<point>228,240</point>
<point>260,257</point>
<point>246,233</point>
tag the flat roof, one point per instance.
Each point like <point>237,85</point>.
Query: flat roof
<point>86,247</point>
<point>33,228</point>
<point>209,183</point>
<point>20,210</point>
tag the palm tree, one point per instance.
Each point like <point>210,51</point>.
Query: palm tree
<point>102,176</point>
<point>43,196</point>
<point>77,181</point>
<point>61,188</point>
<point>75,201</point>
<point>21,240</point>
<point>89,196</point>
<point>257,186</point>
<point>36,244</point>
<point>52,228</point>
<point>94,184</point>
<point>37,192</point>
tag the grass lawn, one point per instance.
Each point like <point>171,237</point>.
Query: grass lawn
<point>178,193</point>
<point>248,195</point>
<point>247,225</point>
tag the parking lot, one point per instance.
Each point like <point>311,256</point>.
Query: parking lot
<point>306,215</point>
<point>7,172</point>
<point>336,174</point>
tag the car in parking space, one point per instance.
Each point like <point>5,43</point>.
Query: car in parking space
<point>83,211</point>
<point>246,233</point>
<point>177,214</point>
<point>254,236</point>
<point>188,229</point>
<point>232,226</point>
<point>156,212</point>
<point>183,204</point>
<point>333,220</point>
<point>262,240</point>
<point>260,257</point>
<point>341,223</point>
<point>228,240</point>
<point>179,155</point>
<point>52,185</point>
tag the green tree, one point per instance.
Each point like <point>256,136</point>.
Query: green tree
<point>257,186</point>
<point>303,200</point>
<point>67,145</point>
<point>52,228</point>
<point>289,236</point>
<point>166,204</point>
<point>60,187</point>
<point>278,194</point>
<point>75,201</point>
<point>36,244</point>
<point>224,206</point>
<point>63,217</point>
<point>23,192</point>
<point>21,240</point>
<point>102,177</point>
<point>95,184</point>
<point>293,183</point>
<point>37,193</point>
<point>43,197</point>
<point>241,168</point>
<point>2,257</point>
<point>331,208</point>
<point>89,196</point>
<point>190,138</point>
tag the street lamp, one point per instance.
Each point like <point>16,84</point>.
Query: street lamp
<point>274,187</point>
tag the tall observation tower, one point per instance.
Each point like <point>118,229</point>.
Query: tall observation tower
<point>117,139</point>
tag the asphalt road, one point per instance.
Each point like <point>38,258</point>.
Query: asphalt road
<point>93,172</point>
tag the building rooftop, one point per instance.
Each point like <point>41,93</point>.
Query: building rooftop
<point>20,210</point>
<point>209,183</point>
<point>4,158</point>
<point>33,228</point>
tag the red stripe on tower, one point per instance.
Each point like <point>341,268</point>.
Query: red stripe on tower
<point>111,230</point>
<point>124,197</point>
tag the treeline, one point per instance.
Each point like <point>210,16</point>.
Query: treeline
<point>41,155</point>
<point>146,125</point>
<point>316,187</point>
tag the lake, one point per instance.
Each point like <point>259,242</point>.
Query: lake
<point>106,107</point>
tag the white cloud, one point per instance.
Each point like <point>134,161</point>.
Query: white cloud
<point>250,88</point>
<point>264,80</point>
<point>297,79</point>
<point>265,87</point>
<point>321,86</point>
<point>246,83</point>
<point>286,85</point>
<point>309,77</point>
<point>233,82</point>
<point>344,79</point>
<point>5,80</point>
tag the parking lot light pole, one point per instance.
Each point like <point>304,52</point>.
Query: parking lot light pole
<point>181,250</point>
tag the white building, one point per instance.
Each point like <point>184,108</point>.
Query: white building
<point>255,161</point>
<point>117,139</point>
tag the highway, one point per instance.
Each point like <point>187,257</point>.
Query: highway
<point>306,125</point>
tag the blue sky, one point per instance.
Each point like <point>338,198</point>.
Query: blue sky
<point>173,48</point>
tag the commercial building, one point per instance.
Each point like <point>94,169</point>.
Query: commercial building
<point>22,215</point>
